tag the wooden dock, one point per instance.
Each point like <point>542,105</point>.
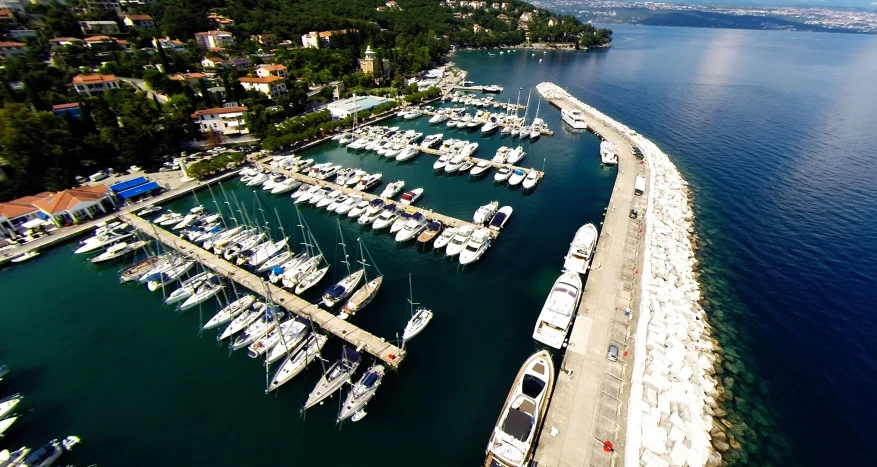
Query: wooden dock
<point>448,221</point>
<point>377,346</point>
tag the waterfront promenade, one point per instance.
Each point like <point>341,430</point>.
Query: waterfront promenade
<point>589,404</point>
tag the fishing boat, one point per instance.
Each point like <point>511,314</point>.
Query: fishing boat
<point>481,168</point>
<point>432,229</point>
<point>517,177</point>
<point>294,364</point>
<point>458,242</point>
<point>558,311</point>
<point>207,290</point>
<point>500,218</point>
<point>475,247</point>
<point>361,297</point>
<point>412,228</point>
<point>393,189</point>
<point>523,413</point>
<point>49,453</point>
<point>531,179</point>
<point>118,250</point>
<point>188,287</point>
<point>485,213</point>
<point>230,311</point>
<point>503,173</point>
<point>444,238</point>
<point>25,257</point>
<point>9,403</point>
<point>290,342</point>
<point>581,250</point>
<point>335,377</point>
<point>361,393</point>
<point>412,196</point>
<point>149,210</point>
<point>342,289</point>
<point>259,328</point>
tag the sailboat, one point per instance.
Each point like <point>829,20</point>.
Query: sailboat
<point>345,286</point>
<point>419,319</point>
<point>294,364</point>
<point>366,293</point>
<point>361,393</point>
<point>315,274</point>
<point>339,373</point>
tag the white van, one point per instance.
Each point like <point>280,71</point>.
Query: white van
<point>96,177</point>
<point>639,186</point>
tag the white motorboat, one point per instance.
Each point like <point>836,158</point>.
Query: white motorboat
<point>386,218</point>
<point>329,199</point>
<point>412,227</point>
<point>368,183</point>
<point>118,250</point>
<point>50,452</point>
<point>168,218</point>
<point>501,154</point>
<point>302,189</point>
<point>273,180</point>
<point>319,195</point>
<point>97,242</point>
<point>187,287</point>
<point>469,149</point>
<point>558,311</point>
<point>404,215</point>
<point>342,289</point>
<point>475,247</point>
<point>500,218</point>
<point>295,364</point>
<point>480,168</point>
<point>512,441</point>
<point>207,290</point>
<point>439,117</point>
<point>412,196</point>
<point>407,153</point>
<point>608,153</point>
<point>452,122</point>
<point>285,186</point>
<point>503,174</point>
<point>243,320</point>
<point>258,179</point>
<point>358,209</point>
<point>356,177</point>
<point>458,242</point>
<point>8,404</point>
<point>337,202</point>
<point>4,425</point>
<point>393,189</point>
<point>348,204</point>
<point>517,177</point>
<point>24,257</point>
<point>230,311</point>
<point>485,213</point>
<point>444,238</point>
<point>454,164</point>
<point>574,118</point>
<point>432,140</point>
<point>310,279</point>
<point>290,341</point>
<point>149,210</point>
<point>307,195</point>
<point>581,250</point>
<point>258,329</point>
<point>335,377</point>
<point>531,179</point>
<point>442,162</point>
<point>515,155</point>
<point>490,126</point>
<point>361,393</point>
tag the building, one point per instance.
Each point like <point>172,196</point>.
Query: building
<point>72,109</point>
<point>11,49</point>
<point>64,41</point>
<point>347,107</point>
<point>219,20</point>
<point>213,62</point>
<point>139,21</point>
<point>18,211</point>
<point>76,204</point>
<point>170,45</point>
<point>552,22</point>
<point>22,33</point>
<point>317,40</point>
<point>114,5</point>
<point>99,27</point>
<point>477,28</point>
<point>272,86</point>
<point>239,62</point>
<point>224,120</point>
<point>213,39</point>
<point>188,78</point>
<point>104,42</point>
<point>264,71</point>
<point>392,4</point>
<point>92,84</point>
<point>264,38</point>
<point>369,64</point>
<point>133,188</point>
<point>12,5</point>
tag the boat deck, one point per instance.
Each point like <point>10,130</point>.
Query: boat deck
<point>377,346</point>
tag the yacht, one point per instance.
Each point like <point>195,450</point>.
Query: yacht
<point>432,229</point>
<point>230,311</point>
<point>118,250</point>
<point>574,118</point>
<point>482,167</point>
<point>361,393</point>
<point>348,204</point>
<point>243,320</point>
<point>512,441</point>
<point>359,208</point>
<point>581,250</point>
<point>490,127</point>
<point>608,153</point>
<point>444,238</point>
<point>502,154</point>
<point>500,218</point>
<point>393,189</point>
<point>439,117</point>
<point>169,276</point>
<point>459,241</point>
<point>404,215</point>
<point>485,213</point>
<point>187,287</point>
<point>310,279</point>
<point>531,179</point>
<point>319,195</point>
<point>370,216</point>
<point>100,241</point>
<point>46,455</point>
<point>342,289</point>
<point>517,177</point>
<point>9,403</point>
<point>386,217</point>
<point>290,342</point>
<point>432,140</point>
<point>368,183</point>
<point>149,210</point>
<point>274,335</point>
<point>412,196</point>
<point>361,297</point>
<point>475,247</point>
<point>412,228</point>
<point>329,199</point>
<point>339,373</point>
<point>557,313</point>
<point>307,195</point>
<point>302,189</point>
<point>294,364</point>
<point>442,162</point>
<point>257,180</point>
<point>407,154</point>
<point>455,163</point>
<point>516,155</point>
<point>503,173</point>
<point>417,323</point>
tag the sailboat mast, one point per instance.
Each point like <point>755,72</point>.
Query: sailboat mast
<point>282,231</point>
<point>527,108</point>
<point>343,248</point>
<point>518,102</point>
<point>216,203</point>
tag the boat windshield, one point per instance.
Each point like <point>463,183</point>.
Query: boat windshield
<point>532,386</point>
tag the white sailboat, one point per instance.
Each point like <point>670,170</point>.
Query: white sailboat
<point>294,364</point>
<point>230,311</point>
<point>335,377</point>
<point>419,318</point>
<point>361,393</point>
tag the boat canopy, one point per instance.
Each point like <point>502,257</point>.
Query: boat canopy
<point>417,216</point>
<point>377,202</point>
<point>276,270</point>
<point>350,355</point>
<point>518,424</point>
<point>138,190</point>
<point>370,379</point>
<point>335,291</point>
<point>498,219</point>
<point>433,226</point>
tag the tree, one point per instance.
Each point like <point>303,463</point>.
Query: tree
<point>205,93</point>
<point>162,58</point>
<point>37,145</point>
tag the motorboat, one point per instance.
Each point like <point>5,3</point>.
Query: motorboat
<point>490,126</point>
<point>8,404</point>
<point>432,229</point>
<point>368,183</point>
<point>412,196</point>
<point>482,167</point>
<point>439,117</point>
<point>230,311</point>
<point>485,213</point>
<point>452,122</point>
<point>375,207</point>
<point>404,215</point>
<point>558,311</point>
<point>574,118</point>
<point>464,121</point>
<point>417,323</point>
<point>531,179</point>
<point>361,393</point>
<point>119,250</point>
<point>516,155</point>
<point>501,154</point>
<point>458,242</point>
<point>469,149</point>
<point>243,320</point>
<point>151,209</point>
<point>294,364</point>
<point>500,218</point>
<point>361,297</point>
<point>517,177</point>
<point>5,424</point>
<point>359,208</point>
<point>581,250</point>
<point>285,186</point>
<point>302,189</point>
<point>608,153</point>
<point>492,89</point>
<point>14,458</point>
<point>442,162</point>
<point>290,341</point>
<point>319,195</point>
<point>49,453</point>
<point>393,151</point>
<point>454,164</point>
<point>356,177</point>
<point>432,140</point>
<point>273,181</point>
<point>513,439</point>
<point>329,199</point>
<point>310,279</point>
<point>467,164</point>
<point>386,217</point>
<point>393,189</point>
<point>342,289</point>
<point>207,290</point>
<point>168,218</point>
<point>503,173</point>
<point>348,204</point>
<point>258,329</point>
<point>476,246</point>
<point>307,195</point>
<point>407,153</point>
<point>25,257</point>
<point>335,204</point>
<point>258,179</point>
<point>335,377</point>
<point>444,238</point>
<point>412,228</point>
<point>100,241</point>
<point>188,287</point>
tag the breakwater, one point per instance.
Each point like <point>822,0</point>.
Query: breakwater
<point>673,403</point>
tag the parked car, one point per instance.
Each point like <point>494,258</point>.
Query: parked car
<point>613,353</point>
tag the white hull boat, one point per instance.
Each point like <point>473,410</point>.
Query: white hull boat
<point>342,289</point>
<point>295,364</point>
<point>335,377</point>
<point>475,248</point>
<point>417,323</point>
<point>362,392</point>
<point>230,311</point>
<point>558,311</point>
<point>581,250</point>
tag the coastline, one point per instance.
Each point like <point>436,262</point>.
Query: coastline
<point>673,393</point>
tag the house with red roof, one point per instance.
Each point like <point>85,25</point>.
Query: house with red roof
<point>224,120</point>
<point>91,84</point>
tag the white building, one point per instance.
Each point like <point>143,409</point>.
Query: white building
<point>91,84</point>
<point>347,107</point>
<point>170,45</point>
<point>139,21</point>
<point>224,120</point>
<point>213,62</point>
<point>265,71</point>
<point>214,39</point>
<point>272,86</point>
<point>99,27</point>
<point>11,49</point>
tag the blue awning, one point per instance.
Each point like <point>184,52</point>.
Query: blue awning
<point>138,190</point>
<point>122,186</point>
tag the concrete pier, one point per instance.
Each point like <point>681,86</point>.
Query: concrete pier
<point>377,346</point>
<point>589,405</point>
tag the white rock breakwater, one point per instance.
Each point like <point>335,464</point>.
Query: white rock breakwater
<point>673,391</point>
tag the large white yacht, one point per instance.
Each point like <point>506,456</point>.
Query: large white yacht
<point>581,250</point>
<point>558,310</point>
<point>574,118</point>
<point>608,153</point>
<point>511,444</point>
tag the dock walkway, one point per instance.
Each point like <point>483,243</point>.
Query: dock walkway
<point>589,405</point>
<point>379,347</point>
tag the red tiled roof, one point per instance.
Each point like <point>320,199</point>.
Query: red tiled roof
<point>70,105</point>
<point>139,17</point>
<point>6,14</point>
<point>185,76</point>
<point>267,79</point>
<point>273,67</point>
<point>213,33</point>
<point>219,111</point>
<point>65,39</point>
<point>11,44</point>
<point>215,59</point>
<point>90,79</point>
<point>68,199</point>
<point>99,39</point>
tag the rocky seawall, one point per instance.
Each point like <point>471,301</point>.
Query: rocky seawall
<point>673,411</point>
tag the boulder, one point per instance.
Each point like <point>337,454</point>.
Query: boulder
<point>679,454</point>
